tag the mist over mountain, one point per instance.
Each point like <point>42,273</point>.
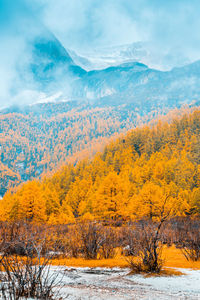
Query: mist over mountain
<point>144,52</point>
<point>35,64</point>
<point>51,74</point>
<point>46,69</point>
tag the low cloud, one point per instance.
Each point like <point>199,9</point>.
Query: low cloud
<point>93,23</point>
<point>171,25</point>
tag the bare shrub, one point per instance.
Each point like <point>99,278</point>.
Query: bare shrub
<point>27,278</point>
<point>88,239</point>
<point>168,234</point>
<point>188,238</point>
<point>130,243</point>
<point>75,246</point>
<point>108,244</point>
<point>147,247</point>
<point>91,238</point>
<point>60,240</point>
<point>17,238</point>
<point>28,275</point>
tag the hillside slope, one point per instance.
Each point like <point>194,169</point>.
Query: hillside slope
<point>128,180</point>
<point>42,137</point>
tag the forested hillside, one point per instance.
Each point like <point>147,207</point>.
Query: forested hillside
<point>145,173</point>
<point>42,137</point>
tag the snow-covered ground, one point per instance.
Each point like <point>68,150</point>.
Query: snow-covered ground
<point>109,284</point>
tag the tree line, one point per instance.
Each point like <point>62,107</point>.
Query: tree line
<point>149,172</point>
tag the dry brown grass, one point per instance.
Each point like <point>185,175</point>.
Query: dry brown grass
<point>165,272</point>
<point>172,256</point>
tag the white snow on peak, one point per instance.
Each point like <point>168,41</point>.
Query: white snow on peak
<point>143,52</point>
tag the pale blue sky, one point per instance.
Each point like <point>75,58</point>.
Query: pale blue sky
<point>91,23</point>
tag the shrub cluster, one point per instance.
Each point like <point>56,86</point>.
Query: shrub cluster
<point>27,249</point>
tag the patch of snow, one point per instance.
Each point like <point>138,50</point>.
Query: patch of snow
<point>144,52</point>
<point>107,92</point>
<point>110,284</point>
<point>90,94</point>
<point>43,98</point>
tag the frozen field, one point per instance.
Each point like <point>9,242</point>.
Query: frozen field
<point>98,283</point>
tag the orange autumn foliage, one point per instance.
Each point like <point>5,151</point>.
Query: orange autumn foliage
<point>134,177</point>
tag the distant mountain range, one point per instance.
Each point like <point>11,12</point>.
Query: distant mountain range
<point>51,70</point>
<point>128,74</point>
<point>143,52</point>
<point>144,88</point>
